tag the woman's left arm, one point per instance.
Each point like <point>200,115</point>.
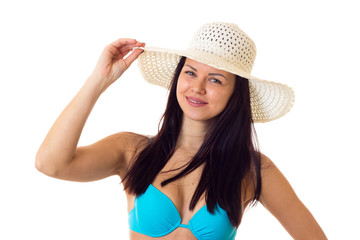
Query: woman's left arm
<point>279,198</point>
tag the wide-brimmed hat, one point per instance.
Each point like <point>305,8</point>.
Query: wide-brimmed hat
<point>223,46</point>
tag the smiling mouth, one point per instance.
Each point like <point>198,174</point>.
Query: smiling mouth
<point>193,101</point>
<point>196,101</point>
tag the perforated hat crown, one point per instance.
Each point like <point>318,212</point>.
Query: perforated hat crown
<point>228,43</point>
<point>223,46</point>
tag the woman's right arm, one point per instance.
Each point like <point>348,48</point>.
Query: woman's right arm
<point>58,155</point>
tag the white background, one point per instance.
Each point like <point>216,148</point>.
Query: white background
<point>49,48</point>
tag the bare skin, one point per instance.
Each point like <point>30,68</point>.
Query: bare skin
<point>60,156</point>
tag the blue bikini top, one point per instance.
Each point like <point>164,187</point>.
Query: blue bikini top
<point>155,215</point>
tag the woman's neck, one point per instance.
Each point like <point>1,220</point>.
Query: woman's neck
<point>192,134</point>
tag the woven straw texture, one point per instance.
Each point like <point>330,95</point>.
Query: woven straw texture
<point>223,46</point>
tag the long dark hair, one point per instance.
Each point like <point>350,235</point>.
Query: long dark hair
<point>228,151</point>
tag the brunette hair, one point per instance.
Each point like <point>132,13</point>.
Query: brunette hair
<point>228,151</point>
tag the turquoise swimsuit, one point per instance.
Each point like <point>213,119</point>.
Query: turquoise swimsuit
<point>155,215</point>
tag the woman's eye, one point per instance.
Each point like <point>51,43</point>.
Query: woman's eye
<point>190,73</point>
<point>214,80</point>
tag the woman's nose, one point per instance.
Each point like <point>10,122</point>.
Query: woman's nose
<point>199,86</point>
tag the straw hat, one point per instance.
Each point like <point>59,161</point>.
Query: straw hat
<point>223,46</point>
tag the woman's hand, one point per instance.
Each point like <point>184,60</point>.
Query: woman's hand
<point>113,63</point>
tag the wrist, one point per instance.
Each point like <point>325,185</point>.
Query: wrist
<point>94,86</point>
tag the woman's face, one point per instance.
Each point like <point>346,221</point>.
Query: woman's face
<point>203,91</point>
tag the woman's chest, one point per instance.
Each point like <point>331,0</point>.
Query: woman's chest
<point>180,191</point>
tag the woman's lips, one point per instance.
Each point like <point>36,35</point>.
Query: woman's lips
<point>195,102</point>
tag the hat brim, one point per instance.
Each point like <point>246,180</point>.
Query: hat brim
<point>269,100</point>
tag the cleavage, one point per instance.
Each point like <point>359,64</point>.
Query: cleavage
<point>180,191</point>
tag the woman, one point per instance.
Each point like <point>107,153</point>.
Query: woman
<point>194,179</point>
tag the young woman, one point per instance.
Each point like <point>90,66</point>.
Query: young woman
<point>194,179</point>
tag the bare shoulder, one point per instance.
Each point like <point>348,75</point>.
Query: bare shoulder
<point>129,144</point>
<point>267,165</point>
<point>249,181</point>
<point>273,182</point>
<point>129,140</point>
<point>121,142</point>
<point>272,178</point>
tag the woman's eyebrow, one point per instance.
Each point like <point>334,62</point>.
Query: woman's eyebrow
<point>217,74</point>
<point>210,74</point>
<point>191,67</point>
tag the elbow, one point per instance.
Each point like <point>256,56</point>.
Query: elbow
<point>44,165</point>
<point>39,164</point>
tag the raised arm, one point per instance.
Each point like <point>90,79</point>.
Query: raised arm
<point>280,199</point>
<point>58,155</point>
